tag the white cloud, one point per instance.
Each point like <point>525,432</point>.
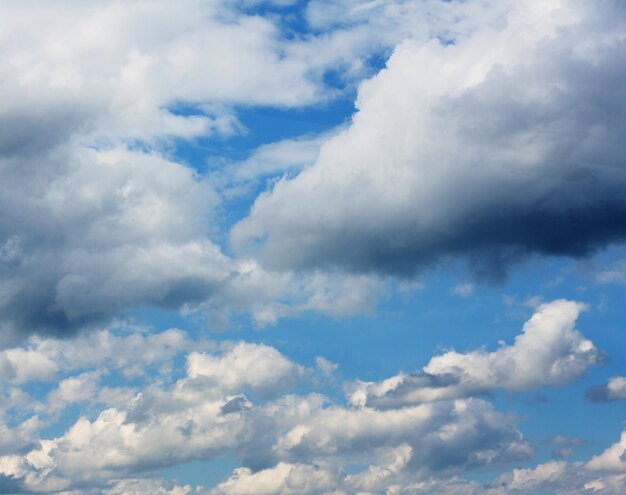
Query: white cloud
<point>93,234</point>
<point>238,399</point>
<point>259,367</point>
<point>549,351</point>
<point>616,387</point>
<point>91,226</point>
<point>612,459</point>
<point>268,295</point>
<point>128,350</point>
<point>106,231</point>
<point>200,416</point>
<point>442,436</point>
<point>286,156</point>
<point>480,149</point>
<point>22,365</point>
<point>552,477</point>
<point>282,479</point>
<point>149,487</point>
<point>206,413</point>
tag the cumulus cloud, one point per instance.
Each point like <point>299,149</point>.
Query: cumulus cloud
<point>612,459</point>
<point>549,478</point>
<point>259,367</point>
<point>98,217</point>
<point>615,389</point>
<point>126,349</point>
<point>89,236</point>
<point>453,151</point>
<point>162,425</point>
<point>238,398</point>
<point>443,436</point>
<point>503,144</point>
<point>23,365</point>
<point>281,479</point>
<point>549,351</point>
<point>250,401</point>
<point>187,422</point>
<point>93,234</point>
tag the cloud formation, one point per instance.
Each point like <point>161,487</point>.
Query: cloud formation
<point>98,215</point>
<point>549,351</point>
<point>155,400</point>
<point>231,397</point>
<point>467,150</point>
<point>615,389</point>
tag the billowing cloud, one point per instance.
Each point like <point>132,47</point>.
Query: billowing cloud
<point>237,398</point>
<point>95,234</point>
<point>281,479</point>
<point>494,132</point>
<point>190,400</point>
<point>162,425</point>
<point>97,216</point>
<point>23,365</point>
<point>612,459</point>
<point>91,234</point>
<point>502,144</point>
<point>549,478</point>
<point>259,367</point>
<point>443,436</point>
<point>549,351</point>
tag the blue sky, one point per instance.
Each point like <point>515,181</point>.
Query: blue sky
<point>312,247</point>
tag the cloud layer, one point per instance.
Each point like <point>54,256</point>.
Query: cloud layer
<point>155,400</point>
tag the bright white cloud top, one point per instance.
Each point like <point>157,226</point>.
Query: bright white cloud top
<point>229,230</point>
<point>548,352</point>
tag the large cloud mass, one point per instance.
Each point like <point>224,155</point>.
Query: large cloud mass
<point>498,145</point>
<point>97,214</point>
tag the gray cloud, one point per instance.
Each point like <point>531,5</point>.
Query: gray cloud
<point>92,235</point>
<point>615,389</point>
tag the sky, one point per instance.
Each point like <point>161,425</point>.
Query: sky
<point>340,247</point>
